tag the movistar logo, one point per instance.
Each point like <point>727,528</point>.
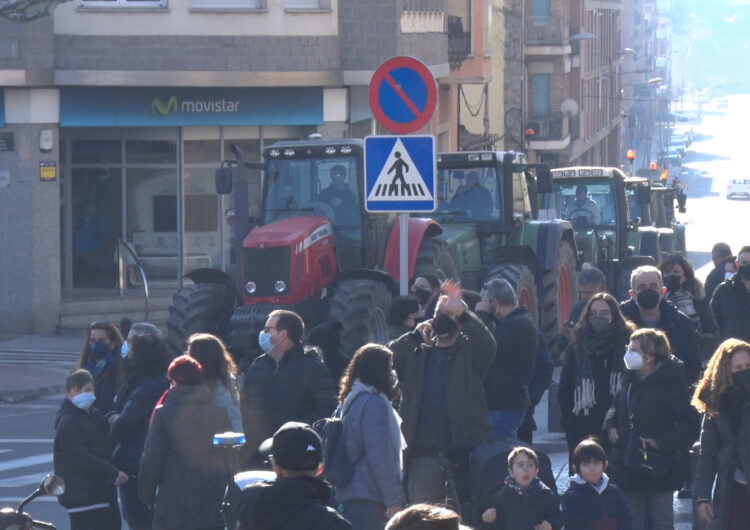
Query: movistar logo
<point>157,107</point>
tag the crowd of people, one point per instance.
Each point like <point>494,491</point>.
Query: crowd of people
<point>642,380</point>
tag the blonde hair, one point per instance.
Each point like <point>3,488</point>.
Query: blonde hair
<point>717,377</point>
<point>653,342</point>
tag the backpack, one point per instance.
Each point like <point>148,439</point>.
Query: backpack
<point>339,469</point>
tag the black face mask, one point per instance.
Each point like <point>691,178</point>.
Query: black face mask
<point>599,325</point>
<point>744,272</point>
<point>422,295</point>
<point>742,378</point>
<point>442,324</point>
<point>672,283</point>
<point>647,299</point>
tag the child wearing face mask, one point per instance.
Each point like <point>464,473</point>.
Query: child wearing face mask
<point>82,458</point>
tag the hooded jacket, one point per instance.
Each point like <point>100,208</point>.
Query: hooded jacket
<point>731,307</point>
<point>180,460</point>
<point>299,503</point>
<point>586,507</point>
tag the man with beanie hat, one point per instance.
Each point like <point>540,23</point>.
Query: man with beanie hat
<point>298,499</point>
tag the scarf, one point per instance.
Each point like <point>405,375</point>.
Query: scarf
<point>103,367</point>
<point>394,425</point>
<point>601,346</point>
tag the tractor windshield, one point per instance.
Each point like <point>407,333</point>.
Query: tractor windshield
<point>313,186</point>
<point>584,202</point>
<point>634,207</point>
<point>468,194</point>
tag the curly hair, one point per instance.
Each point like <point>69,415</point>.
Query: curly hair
<point>622,326</point>
<point>371,364</point>
<point>218,365</point>
<point>717,377</point>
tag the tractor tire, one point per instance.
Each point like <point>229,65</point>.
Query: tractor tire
<point>559,293</point>
<point>522,280</point>
<point>198,308</point>
<point>434,257</point>
<point>360,306</point>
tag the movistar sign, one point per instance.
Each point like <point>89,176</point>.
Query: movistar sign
<point>159,107</point>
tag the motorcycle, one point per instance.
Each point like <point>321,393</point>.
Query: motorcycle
<point>16,519</point>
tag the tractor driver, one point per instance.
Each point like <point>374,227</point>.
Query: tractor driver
<point>583,206</point>
<point>473,197</point>
<point>341,197</point>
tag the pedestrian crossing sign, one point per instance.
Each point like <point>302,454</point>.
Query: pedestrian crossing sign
<point>400,173</point>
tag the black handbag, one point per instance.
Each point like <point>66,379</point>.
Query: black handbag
<point>641,459</point>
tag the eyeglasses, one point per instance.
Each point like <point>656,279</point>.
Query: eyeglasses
<point>268,327</point>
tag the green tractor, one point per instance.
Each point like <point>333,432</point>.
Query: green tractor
<point>619,222</point>
<point>487,209</point>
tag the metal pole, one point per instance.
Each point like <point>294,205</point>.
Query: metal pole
<point>403,251</point>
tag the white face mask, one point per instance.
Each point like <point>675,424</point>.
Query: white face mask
<point>633,360</point>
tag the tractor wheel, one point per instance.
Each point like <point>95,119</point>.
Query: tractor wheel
<point>360,306</point>
<point>522,280</point>
<point>559,293</point>
<point>198,308</point>
<point>434,257</point>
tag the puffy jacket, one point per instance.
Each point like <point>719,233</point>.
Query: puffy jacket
<point>289,504</point>
<point>82,456</point>
<point>507,381</point>
<point>130,427</point>
<point>367,436</point>
<point>180,460</point>
<point>523,512</point>
<point>679,330</point>
<point>661,410</point>
<point>721,450</point>
<point>299,388</point>
<point>468,361</point>
<point>584,508</point>
<point>731,307</point>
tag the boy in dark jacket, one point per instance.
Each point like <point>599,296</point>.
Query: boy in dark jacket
<point>524,503</point>
<point>298,499</point>
<point>592,502</point>
<point>82,458</point>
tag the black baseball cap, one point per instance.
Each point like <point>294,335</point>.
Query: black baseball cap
<point>296,447</point>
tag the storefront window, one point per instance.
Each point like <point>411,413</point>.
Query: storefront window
<point>150,152</point>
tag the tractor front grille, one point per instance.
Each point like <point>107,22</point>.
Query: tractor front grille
<point>266,266</point>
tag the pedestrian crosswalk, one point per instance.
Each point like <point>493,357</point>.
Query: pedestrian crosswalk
<point>38,356</point>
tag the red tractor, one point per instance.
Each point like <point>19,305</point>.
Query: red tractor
<point>314,250</point>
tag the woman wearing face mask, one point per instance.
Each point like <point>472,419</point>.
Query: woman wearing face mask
<point>723,395</point>
<point>101,356</point>
<point>649,421</point>
<point>593,370</point>
<point>372,430</point>
<point>426,290</point>
<point>686,293</point>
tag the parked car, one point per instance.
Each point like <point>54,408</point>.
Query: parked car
<point>738,188</point>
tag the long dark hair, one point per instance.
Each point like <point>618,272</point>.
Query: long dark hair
<point>622,328</point>
<point>217,363</point>
<point>371,364</point>
<point>113,334</point>
<point>692,284</point>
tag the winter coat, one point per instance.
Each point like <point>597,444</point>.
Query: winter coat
<point>516,511</point>
<point>715,277</point>
<point>506,384</point>
<point>679,330</point>
<point>699,311</point>
<point>467,364</point>
<point>731,307</point>
<point>82,457</point>
<point>289,504</point>
<point>180,460</point>
<point>579,426</point>
<point>661,410</point>
<point>369,442</point>
<point>129,428</point>
<point>584,508</point>
<point>299,388</point>
<point>721,449</point>
<point>540,382</point>
<point>105,385</point>
<point>225,399</point>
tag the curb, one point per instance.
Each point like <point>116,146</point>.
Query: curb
<point>28,394</point>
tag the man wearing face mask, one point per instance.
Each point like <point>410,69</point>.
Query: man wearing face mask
<point>724,268</point>
<point>285,383</point>
<point>507,383</point>
<point>731,301</point>
<point>647,308</point>
<point>426,289</point>
<point>441,367</point>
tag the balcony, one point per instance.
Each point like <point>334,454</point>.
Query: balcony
<point>459,42</point>
<point>551,130</point>
<point>546,31</point>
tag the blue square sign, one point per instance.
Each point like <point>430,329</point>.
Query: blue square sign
<point>400,174</point>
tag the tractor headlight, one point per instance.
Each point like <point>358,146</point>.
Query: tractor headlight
<point>330,150</point>
<point>345,150</point>
<point>250,287</point>
<point>288,152</point>
<point>274,153</point>
<point>279,286</point>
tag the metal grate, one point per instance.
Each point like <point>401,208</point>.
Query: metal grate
<point>265,266</point>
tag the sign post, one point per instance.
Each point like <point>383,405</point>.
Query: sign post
<point>400,171</point>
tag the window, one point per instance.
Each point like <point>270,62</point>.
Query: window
<point>540,10</point>
<point>128,4</point>
<point>539,93</point>
<point>307,4</point>
<point>228,4</point>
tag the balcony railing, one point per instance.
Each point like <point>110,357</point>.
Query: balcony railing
<point>548,125</point>
<point>546,31</point>
<point>459,41</point>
